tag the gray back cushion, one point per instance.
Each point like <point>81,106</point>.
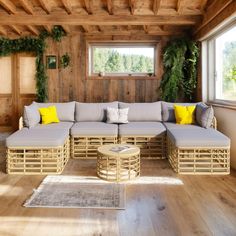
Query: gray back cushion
<point>65,111</point>
<point>168,112</point>
<point>143,111</point>
<point>31,115</point>
<point>204,115</point>
<point>92,111</point>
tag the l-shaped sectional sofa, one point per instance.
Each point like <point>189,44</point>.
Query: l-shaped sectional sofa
<point>45,149</point>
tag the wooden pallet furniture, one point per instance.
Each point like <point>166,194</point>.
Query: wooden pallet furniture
<point>37,160</point>
<point>118,166</point>
<point>151,147</point>
<point>85,147</point>
<point>199,160</point>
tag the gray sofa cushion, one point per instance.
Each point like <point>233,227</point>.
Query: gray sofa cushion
<point>94,129</point>
<point>37,138</point>
<point>31,116</point>
<point>65,111</point>
<point>204,115</point>
<point>61,125</point>
<point>171,125</point>
<point>198,137</point>
<point>143,111</point>
<point>168,113</point>
<point>92,111</point>
<point>142,129</point>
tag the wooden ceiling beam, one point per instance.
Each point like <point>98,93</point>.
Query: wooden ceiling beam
<point>88,6</point>
<point>16,29</point>
<point>146,28</point>
<point>46,6</point>
<point>66,29</point>
<point>110,6</point>
<point>85,28</point>
<point>209,25</point>
<point>67,5</point>
<point>132,6</point>
<point>203,5</point>
<point>99,20</point>
<point>3,31</point>
<point>135,32</point>
<point>8,5</point>
<point>156,6</point>
<point>212,11</point>
<point>48,28</point>
<point>27,6</point>
<point>180,6</point>
<point>33,30</point>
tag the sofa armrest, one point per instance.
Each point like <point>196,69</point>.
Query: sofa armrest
<point>214,123</point>
<point>21,123</point>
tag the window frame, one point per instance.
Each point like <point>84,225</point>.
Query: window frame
<point>91,44</point>
<point>209,52</point>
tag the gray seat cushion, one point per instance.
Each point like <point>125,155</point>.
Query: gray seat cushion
<point>197,137</point>
<point>37,138</point>
<point>171,125</point>
<point>143,111</point>
<point>95,112</point>
<point>65,110</point>
<point>142,129</point>
<point>94,129</point>
<point>61,125</point>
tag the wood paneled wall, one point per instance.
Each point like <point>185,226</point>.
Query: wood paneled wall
<point>72,82</point>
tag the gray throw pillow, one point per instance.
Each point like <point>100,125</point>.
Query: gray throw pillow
<point>117,116</point>
<point>31,115</point>
<point>204,115</point>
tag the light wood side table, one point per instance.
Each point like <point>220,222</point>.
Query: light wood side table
<point>118,166</point>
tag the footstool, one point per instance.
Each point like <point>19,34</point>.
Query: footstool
<point>118,166</point>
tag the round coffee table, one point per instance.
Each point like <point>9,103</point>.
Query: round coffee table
<point>118,166</point>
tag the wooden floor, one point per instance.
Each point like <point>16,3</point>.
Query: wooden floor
<point>183,205</point>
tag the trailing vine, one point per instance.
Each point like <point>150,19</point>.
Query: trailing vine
<point>180,70</point>
<point>38,46</point>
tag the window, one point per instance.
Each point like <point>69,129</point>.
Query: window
<point>225,65</point>
<point>121,60</point>
<point>222,66</point>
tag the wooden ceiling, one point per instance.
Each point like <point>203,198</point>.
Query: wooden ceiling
<point>112,17</point>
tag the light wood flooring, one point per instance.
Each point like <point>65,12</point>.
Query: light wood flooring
<point>180,205</point>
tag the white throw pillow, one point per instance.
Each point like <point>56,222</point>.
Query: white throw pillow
<point>118,116</point>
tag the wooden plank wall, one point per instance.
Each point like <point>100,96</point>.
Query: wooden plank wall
<point>72,82</point>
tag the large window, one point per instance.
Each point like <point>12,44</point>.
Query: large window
<point>121,60</point>
<point>225,65</point>
<point>222,66</point>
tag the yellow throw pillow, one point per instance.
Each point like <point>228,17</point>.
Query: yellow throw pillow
<point>49,115</point>
<point>184,115</point>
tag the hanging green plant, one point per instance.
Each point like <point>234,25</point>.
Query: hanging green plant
<point>180,70</point>
<point>65,60</point>
<point>36,45</point>
<point>57,33</point>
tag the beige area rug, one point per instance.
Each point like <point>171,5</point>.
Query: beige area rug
<point>70,192</point>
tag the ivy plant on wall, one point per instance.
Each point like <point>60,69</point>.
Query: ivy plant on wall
<point>180,70</point>
<point>38,46</point>
<point>65,60</point>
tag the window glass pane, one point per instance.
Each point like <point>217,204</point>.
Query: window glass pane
<point>226,65</point>
<point>122,59</point>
